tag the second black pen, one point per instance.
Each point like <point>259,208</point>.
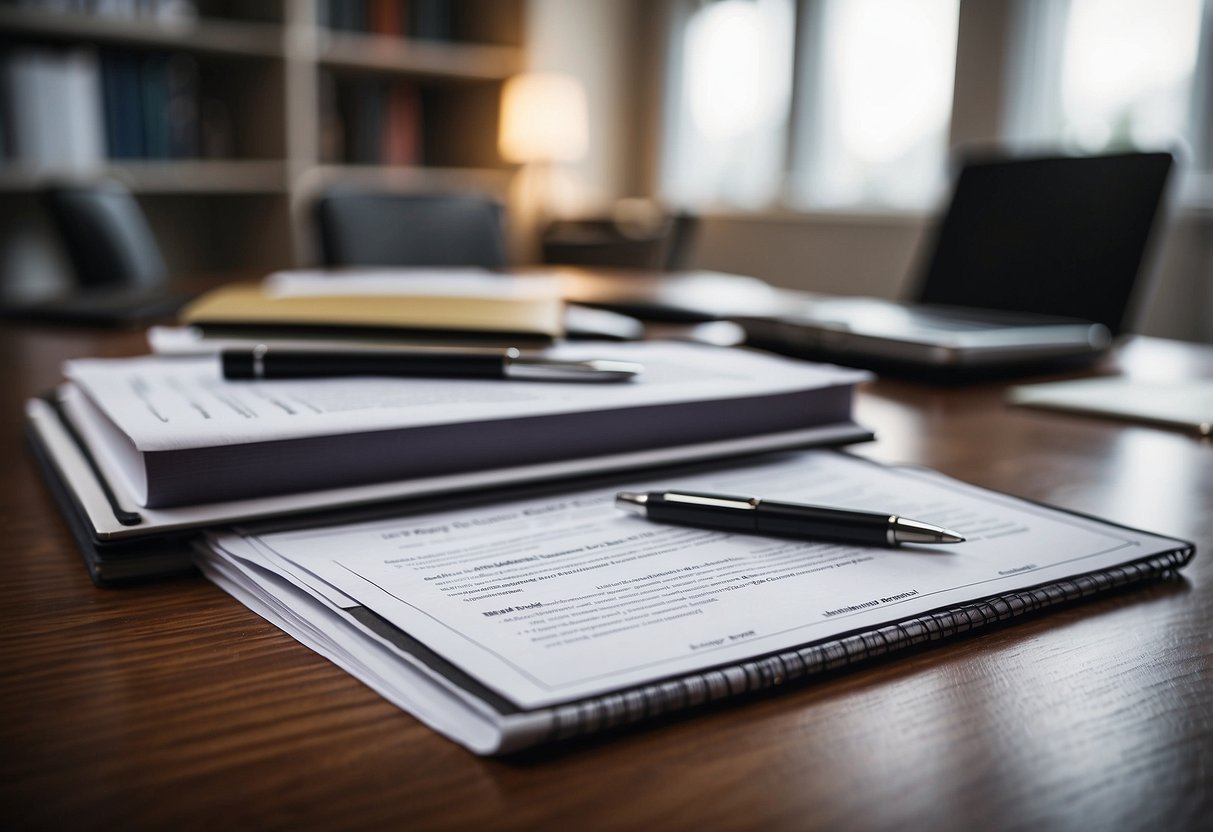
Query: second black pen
<point>263,362</point>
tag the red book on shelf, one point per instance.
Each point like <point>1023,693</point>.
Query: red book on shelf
<point>402,127</point>
<point>386,17</point>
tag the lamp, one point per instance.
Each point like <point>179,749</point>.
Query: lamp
<point>544,123</point>
<point>543,119</point>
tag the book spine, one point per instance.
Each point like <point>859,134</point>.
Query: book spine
<point>332,122</point>
<point>430,20</point>
<point>182,94</point>
<point>602,713</point>
<point>367,122</point>
<point>52,105</point>
<point>109,104</point>
<point>21,81</point>
<point>153,91</point>
<point>384,18</point>
<point>124,102</point>
<point>81,117</point>
<point>402,139</point>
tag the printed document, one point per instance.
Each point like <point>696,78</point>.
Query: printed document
<point>554,598</point>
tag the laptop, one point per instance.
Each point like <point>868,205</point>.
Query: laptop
<point>1034,263</point>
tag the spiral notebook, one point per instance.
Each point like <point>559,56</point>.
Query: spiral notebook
<point>510,624</point>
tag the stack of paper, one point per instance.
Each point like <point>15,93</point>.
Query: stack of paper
<point>508,624</point>
<point>143,447</point>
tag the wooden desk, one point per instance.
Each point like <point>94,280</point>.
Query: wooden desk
<point>172,706</point>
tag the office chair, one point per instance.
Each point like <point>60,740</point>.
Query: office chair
<point>668,246</point>
<point>106,236</point>
<point>120,275</point>
<point>379,228</point>
<point>680,249</point>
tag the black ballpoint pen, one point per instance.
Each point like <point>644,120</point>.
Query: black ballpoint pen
<point>750,515</point>
<point>263,362</point>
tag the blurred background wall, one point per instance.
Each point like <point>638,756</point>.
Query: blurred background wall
<point>812,137</point>
<point>815,137</point>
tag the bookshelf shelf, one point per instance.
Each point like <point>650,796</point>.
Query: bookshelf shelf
<point>256,40</point>
<point>205,176</point>
<point>419,177</point>
<point>183,177</point>
<point>378,53</point>
<point>280,99</point>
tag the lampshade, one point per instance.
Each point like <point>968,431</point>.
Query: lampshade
<point>543,118</point>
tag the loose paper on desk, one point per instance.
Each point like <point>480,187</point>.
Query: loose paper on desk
<point>384,282</point>
<point>553,599</point>
<point>1186,404</point>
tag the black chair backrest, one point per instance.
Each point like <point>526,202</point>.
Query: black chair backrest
<point>668,246</point>
<point>599,242</point>
<point>684,232</point>
<point>106,236</point>
<point>377,228</point>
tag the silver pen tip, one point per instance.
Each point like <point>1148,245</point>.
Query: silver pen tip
<point>633,502</point>
<point>915,531</point>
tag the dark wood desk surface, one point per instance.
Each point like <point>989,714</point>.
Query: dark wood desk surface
<point>171,705</point>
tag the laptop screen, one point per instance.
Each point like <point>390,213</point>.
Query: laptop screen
<point>1054,236</point>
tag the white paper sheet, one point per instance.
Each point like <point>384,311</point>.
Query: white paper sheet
<point>1187,404</point>
<point>550,600</point>
<point>402,282</point>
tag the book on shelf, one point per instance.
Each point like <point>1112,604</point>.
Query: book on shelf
<point>421,19</point>
<point>379,121</point>
<point>144,451</point>
<point>160,11</point>
<point>342,15</point>
<point>120,98</point>
<point>150,101</point>
<point>387,17</point>
<point>331,129</point>
<point>365,120</point>
<point>402,139</point>
<point>51,101</point>
<point>536,618</point>
<point>431,19</point>
<point>153,87</point>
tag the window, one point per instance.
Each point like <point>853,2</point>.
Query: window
<point>729,125</point>
<point>847,104</point>
<point>1122,74</point>
<point>874,128</point>
<point>1127,76</point>
<point>872,96</point>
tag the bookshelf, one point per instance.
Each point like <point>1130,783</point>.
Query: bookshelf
<point>225,118</point>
